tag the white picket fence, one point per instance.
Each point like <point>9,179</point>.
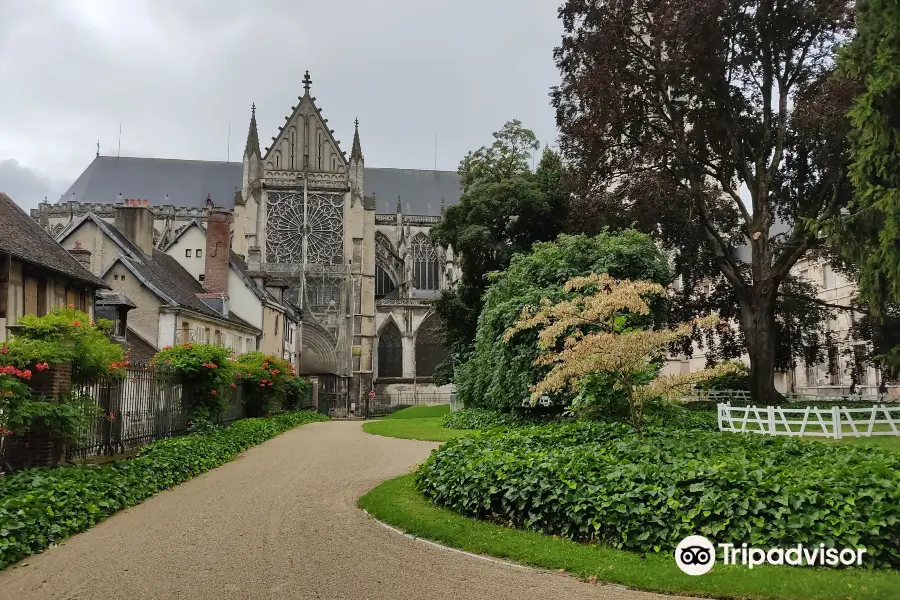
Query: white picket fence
<point>836,422</point>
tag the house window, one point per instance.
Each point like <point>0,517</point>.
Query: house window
<point>825,276</point>
<point>187,253</point>
<point>115,277</point>
<point>250,345</point>
<point>218,338</point>
<point>834,366</point>
<point>276,325</point>
<point>198,253</point>
<point>201,277</point>
<point>390,351</point>
<point>4,284</point>
<point>185,332</point>
<point>206,337</point>
<point>425,264</point>
<point>35,296</point>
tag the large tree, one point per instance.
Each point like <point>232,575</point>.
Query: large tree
<point>717,126</point>
<point>504,209</point>
<point>866,236</point>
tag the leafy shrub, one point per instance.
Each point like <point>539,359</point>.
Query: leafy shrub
<point>299,394</point>
<point>498,374</point>
<point>738,379</point>
<point>205,371</point>
<point>64,335</point>
<point>476,418</point>
<point>594,482</point>
<point>268,382</point>
<point>40,507</point>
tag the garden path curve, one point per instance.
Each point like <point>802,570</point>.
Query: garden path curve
<point>280,522</point>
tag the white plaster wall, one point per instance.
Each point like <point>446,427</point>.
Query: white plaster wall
<point>242,301</point>
<point>193,239</point>
<point>167,330</point>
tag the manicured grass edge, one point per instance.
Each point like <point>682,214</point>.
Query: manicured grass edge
<point>11,505</point>
<point>426,429</point>
<point>396,502</point>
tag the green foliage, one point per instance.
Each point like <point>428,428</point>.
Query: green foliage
<point>503,211</point>
<point>867,234</point>
<point>205,371</point>
<point>64,335</point>
<point>477,418</point>
<point>506,158</point>
<point>298,394</point>
<point>41,507</point>
<point>498,374</point>
<point>736,380</point>
<point>266,381</point>
<point>594,482</point>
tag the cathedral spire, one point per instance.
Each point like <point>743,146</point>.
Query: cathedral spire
<point>306,83</point>
<point>252,136</point>
<point>356,152</point>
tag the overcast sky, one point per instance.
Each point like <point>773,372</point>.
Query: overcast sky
<point>178,71</point>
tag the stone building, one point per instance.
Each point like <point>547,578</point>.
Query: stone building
<point>348,244</point>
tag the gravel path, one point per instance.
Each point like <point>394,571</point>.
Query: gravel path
<point>280,522</point>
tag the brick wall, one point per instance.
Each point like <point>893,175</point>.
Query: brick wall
<point>38,447</point>
<point>218,245</point>
<point>52,383</point>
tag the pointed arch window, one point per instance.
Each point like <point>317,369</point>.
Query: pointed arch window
<point>430,352</point>
<point>390,351</point>
<point>426,271</point>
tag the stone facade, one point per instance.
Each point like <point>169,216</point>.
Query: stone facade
<point>302,218</point>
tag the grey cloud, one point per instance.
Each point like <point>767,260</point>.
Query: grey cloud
<point>178,72</point>
<point>26,186</point>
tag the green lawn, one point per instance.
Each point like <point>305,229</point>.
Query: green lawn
<point>415,423</point>
<point>397,503</point>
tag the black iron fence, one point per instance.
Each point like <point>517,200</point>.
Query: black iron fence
<point>385,404</point>
<point>142,406</point>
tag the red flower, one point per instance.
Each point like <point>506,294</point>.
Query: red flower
<point>76,323</point>
<point>213,392</point>
<point>92,321</point>
<point>4,350</point>
<point>71,306</point>
<point>168,361</point>
<point>188,346</point>
<point>233,385</point>
<point>261,384</point>
<point>133,379</point>
<point>42,366</point>
<point>26,374</point>
<point>111,416</point>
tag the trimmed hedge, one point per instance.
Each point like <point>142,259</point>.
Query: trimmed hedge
<point>40,507</point>
<point>477,418</point>
<point>594,482</point>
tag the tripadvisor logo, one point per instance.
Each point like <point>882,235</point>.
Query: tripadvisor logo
<point>696,555</point>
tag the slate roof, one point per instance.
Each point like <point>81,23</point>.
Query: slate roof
<point>162,274</point>
<point>23,237</point>
<point>189,182</point>
<point>141,350</point>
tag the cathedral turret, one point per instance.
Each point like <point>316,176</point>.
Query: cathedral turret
<point>357,162</point>
<point>248,199</point>
<point>252,155</point>
<point>356,152</point>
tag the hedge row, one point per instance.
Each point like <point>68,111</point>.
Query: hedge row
<point>594,482</point>
<point>477,418</point>
<point>41,507</point>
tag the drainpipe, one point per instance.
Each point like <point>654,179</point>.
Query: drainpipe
<point>175,329</point>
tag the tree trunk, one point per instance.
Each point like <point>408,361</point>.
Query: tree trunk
<point>758,323</point>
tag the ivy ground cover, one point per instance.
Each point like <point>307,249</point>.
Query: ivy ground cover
<point>41,507</point>
<point>593,482</point>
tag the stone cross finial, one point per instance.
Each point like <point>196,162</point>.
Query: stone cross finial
<point>306,82</point>
<point>253,109</point>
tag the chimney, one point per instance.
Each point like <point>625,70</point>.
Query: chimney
<point>135,219</point>
<point>82,255</point>
<point>218,247</point>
